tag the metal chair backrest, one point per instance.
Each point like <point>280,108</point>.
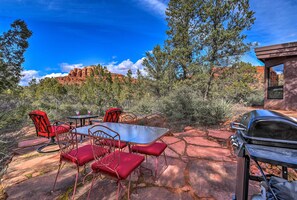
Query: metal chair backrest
<point>67,141</point>
<point>127,118</point>
<point>41,122</point>
<point>112,115</point>
<point>108,139</point>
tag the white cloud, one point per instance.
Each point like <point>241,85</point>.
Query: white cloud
<point>65,67</point>
<point>28,75</point>
<point>52,75</point>
<point>124,66</point>
<point>157,6</point>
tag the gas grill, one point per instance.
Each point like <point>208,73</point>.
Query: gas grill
<point>263,136</point>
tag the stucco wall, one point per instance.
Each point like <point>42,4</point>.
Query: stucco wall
<point>289,102</point>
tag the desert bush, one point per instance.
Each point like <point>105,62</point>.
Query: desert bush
<point>179,104</point>
<point>212,112</point>
<point>256,98</point>
<point>146,105</point>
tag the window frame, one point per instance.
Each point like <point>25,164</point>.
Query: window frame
<point>274,87</point>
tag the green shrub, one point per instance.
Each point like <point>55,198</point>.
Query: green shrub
<point>179,104</point>
<point>145,105</point>
<point>212,112</point>
<point>255,99</point>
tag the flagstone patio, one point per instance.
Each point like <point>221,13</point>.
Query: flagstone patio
<point>200,166</point>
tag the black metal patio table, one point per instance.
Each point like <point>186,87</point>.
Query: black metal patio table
<point>82,119</point>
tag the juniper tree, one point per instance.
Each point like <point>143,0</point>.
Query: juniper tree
<point>210,32</point>
<point>13,45</point>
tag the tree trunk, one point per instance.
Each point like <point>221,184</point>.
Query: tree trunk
<point>208,87</point>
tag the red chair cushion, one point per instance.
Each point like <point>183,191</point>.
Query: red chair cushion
<point>84,154</point>
<point>123,166</point>
<point>115,143</point>
<point>54,130</point>
<point>112,115</point>
<point>154,149</point>
<point>41,122</point>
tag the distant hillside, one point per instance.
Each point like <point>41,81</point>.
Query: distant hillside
<point>78,76</point>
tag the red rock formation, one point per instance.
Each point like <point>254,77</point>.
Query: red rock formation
<point>78,76</point>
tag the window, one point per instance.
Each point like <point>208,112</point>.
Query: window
<point>275,82</point>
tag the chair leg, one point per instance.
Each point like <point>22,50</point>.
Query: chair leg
<point>156,166</point>
<point>59,169</point>
<point>165,159</point>
<point>119,189</point>
<point>93,179</point>
<point>75,184</point>
<point>51,143</point>
<point>129,184</point>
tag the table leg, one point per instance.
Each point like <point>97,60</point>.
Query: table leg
<point>285,172</point>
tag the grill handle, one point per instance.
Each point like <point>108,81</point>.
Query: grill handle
<point>237,126</point>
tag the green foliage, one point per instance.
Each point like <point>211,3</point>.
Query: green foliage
<point>13,45</point>
<point>186,105</point>
<point>209,32</point>
<point>212,112</point>
<point>236,83</point>
<point>158,72</point>
<point>180,15</point>
<point>14,108</point>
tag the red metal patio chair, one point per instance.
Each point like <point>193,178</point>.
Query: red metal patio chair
<point>127,118</point>
<point>45,129</point>
<point>117,164</point>
<point>113,115</point>
<point>71,153</point>
<point>157,148</point>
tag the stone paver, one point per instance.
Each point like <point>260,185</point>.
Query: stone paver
<point>173,176</point>
<point>209,153</point>
<point>179,147</point>
<point>201,142</point>
<point>32,142</point>
<point>223,135</point>
<point>213,179</point>
<point>40,187</point>
<point>170,140</point>
<point>198,167</point>
<point>190,133</point>
<point>158,193</point>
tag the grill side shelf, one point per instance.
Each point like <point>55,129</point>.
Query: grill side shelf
<point>274,155</point>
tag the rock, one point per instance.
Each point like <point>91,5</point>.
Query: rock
<point>173,175</point>
<point>179,147</point>
<point>170,153</point>
<point>78,76</point>
<point>187,128</point>
<point>158,193</point>
<point>40,187</point>
<point>170,140</point>
<point>209,153</point>
<point>224,135</point>
<point>201,142</point>
<point>213,179</point>
<point>190,133</point>
<point>33,142</point>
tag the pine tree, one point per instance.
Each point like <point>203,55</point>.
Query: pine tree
<point>208,33</point>
<point>13,45</point>
<point>156,65</point>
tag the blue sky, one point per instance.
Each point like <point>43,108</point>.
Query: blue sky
<point>117,33</point>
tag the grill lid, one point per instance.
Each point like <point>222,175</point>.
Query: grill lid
<point>268,128</point>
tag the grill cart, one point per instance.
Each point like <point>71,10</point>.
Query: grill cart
<point>269,137</point>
